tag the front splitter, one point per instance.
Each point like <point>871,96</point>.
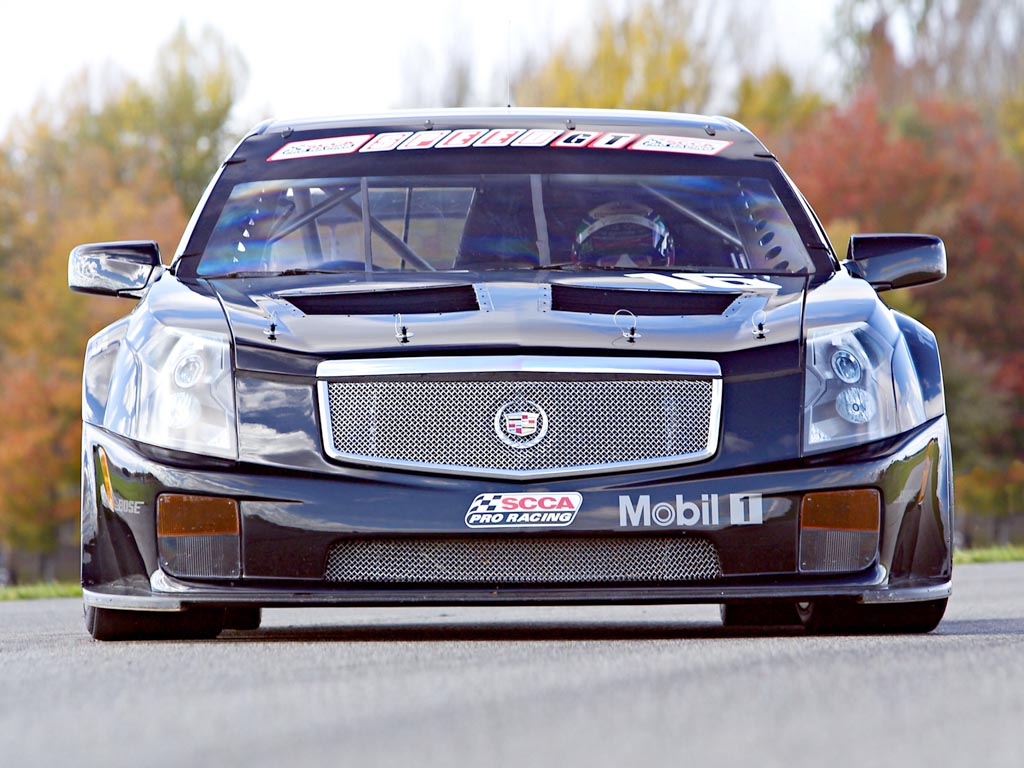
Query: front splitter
<point>169,594</point>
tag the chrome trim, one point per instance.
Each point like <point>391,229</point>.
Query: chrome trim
<point>336,369</point>
<point>513,474</point>
<point>908,594</point>
<point>397,366</point>
<point>134,602</point>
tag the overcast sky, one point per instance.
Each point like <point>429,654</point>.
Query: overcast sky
<point>315,58</point>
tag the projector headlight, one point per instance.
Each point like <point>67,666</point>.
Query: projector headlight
<point>851,395</point>
<point>176,391</point>
<point>846,366</point>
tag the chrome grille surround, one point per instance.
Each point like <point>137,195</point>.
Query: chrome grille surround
<point>441,414</point>
<point>527,560</point>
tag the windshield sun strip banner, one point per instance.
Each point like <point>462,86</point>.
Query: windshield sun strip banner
<point>486,138</point>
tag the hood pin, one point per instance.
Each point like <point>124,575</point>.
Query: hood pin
<point>402,333</point>
<point>271,332</point>
<point>758,321</point>
<point>629,329</point>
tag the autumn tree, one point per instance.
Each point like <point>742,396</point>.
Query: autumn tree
<point>13,239</point>
<point>89,166</point>
<point>934,166</point>
<point>967,51</point>
<point>660,55</point>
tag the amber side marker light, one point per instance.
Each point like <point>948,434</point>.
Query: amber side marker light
<point>181,515</point>
<point>108,486</point>
<point>198,536</point>
<point>839,530</point>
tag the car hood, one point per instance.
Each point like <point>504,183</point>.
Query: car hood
<point>639,313</point>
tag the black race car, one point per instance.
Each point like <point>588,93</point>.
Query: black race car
<point>508,357</point>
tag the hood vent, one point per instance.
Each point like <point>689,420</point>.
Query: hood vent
<point>566,298</point>
<point>414,301</point>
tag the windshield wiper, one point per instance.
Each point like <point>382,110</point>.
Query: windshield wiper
<point>571,266</point>
<point>564,265</point>
<point>269,273</point>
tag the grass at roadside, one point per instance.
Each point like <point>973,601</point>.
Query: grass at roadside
<point>35,591</point>
<point>989,554</point>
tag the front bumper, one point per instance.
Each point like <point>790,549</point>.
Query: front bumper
<point>290,520</point>
<point>169,594</point>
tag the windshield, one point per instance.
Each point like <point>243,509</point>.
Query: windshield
<point>504,221</point>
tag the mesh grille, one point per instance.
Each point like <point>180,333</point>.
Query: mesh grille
<point>833,551</point>
<point>201,556</point>
<point>581,424</point>
<point>525,560</point>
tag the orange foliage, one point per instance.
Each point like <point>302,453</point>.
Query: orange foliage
<point>936,167</point>
<point>110,159</point>
<point>46,328</point>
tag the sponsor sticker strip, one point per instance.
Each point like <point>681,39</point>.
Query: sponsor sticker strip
<point>554,509</point>
<point>496,137</point>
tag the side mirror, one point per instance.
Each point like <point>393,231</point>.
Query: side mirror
<point>114,269</point>
<point>896,261</point>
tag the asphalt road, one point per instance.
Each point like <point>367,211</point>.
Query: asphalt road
<point>587,686</point>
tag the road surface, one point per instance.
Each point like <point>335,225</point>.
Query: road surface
<point>588,686</point>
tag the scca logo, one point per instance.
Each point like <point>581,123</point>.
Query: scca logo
<point>517,510</point>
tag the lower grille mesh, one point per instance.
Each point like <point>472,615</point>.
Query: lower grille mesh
<point>523,560</point>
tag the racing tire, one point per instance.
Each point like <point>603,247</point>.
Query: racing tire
<point>767,614</point>
<point>244,618</point>
<point>837,617</point>
<point>112,624</point>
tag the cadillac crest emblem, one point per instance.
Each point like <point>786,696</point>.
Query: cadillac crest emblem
<point>521,424</point>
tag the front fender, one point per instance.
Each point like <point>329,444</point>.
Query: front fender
<point>924,352</point>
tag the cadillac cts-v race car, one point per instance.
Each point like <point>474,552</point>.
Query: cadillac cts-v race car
<point>511,357</point>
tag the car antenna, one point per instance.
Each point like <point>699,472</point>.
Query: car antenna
<point>508,62</point>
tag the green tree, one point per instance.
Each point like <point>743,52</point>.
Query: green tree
<point>658,56</point>
<point>195,87</point>
<point>775,108</point>
<point>12,238</point>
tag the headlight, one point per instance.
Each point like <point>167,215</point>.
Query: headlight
<point>851,394</point>
<point>176,391</point>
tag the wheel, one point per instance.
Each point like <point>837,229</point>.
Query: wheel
<point>766,614</point>
<point>243,618</point>
<point>193,624</point>
<point>837,617</point>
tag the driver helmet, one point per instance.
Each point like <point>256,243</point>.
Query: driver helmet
<point>623,234</point>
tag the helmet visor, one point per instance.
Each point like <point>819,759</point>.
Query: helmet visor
<point>624,240</point>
